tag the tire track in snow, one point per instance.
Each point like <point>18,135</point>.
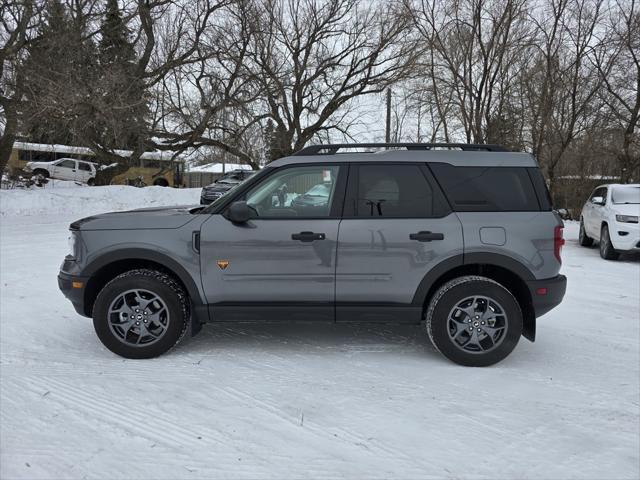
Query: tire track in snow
<point>159,428</point>
<point>163,431</point>
<point>322,432</point>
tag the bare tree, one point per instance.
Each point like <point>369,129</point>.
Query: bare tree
<point>617,58</point>
<point>473,48</point>
<point>311,59</point>
<point>211,100</point>
<point>563,85</point>
<point>18,23</point>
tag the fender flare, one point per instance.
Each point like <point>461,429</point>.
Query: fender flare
<point>479,258</point>
<point>150,255</point>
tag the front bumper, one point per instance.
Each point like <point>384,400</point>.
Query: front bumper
<point>73,287</point>
<point>547,294</point>
<point>625,237</point>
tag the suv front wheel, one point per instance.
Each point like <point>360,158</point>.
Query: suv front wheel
<point>606,247</point>
<point>474,321</point>
<point>141,314</point>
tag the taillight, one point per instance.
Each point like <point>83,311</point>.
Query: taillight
<point>558,242</point>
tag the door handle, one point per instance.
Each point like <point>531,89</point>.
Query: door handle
<point>307,236</point>
<point>426,236</point>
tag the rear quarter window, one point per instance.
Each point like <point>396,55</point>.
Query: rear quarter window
<point>487,189</point>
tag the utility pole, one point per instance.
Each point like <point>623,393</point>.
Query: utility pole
<point>387,136</point>
<point>224,134</point>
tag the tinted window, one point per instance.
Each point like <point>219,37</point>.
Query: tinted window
<point>24,155</point>
<point>43,156</point>
<point>67,164</point>
<point>286,193</point>
<point>396,191</point>
<point>84,166</point>
<point>600,192</point>
<point>487,189</point>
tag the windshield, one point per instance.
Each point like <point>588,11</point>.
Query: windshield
<point>626,194</point>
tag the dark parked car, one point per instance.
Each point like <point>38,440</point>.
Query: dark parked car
<point>223,184</point>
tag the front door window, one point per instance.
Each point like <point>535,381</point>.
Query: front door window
<point>295,192</point>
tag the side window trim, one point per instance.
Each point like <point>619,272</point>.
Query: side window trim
<point>540,189</point>
<point>436,188</point>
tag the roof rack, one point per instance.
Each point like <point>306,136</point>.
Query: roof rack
<point>332,149</point>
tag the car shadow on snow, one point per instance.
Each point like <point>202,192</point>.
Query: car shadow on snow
<point>312,338</point>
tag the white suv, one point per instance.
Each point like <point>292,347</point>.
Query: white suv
<point>610,216</point>
<point>66,169</point>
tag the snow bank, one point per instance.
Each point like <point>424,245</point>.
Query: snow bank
<point>69,199</point>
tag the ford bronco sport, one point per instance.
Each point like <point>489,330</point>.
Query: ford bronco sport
<point>460,238</point>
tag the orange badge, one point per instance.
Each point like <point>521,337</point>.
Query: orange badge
<point>223,264</point>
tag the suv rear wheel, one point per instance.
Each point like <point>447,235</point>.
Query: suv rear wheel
<point>141,314</point>
<point>583,238</point>
<point>474,321</point>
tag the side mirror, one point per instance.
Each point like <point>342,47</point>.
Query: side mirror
<point>239,212</point>
<point>597,200</point>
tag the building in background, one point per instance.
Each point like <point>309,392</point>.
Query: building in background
<point>156,168</point>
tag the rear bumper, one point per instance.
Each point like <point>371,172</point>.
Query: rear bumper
<point>547,294</point>
<point>68,285</point>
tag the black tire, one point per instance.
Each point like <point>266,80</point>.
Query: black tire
<point>91,182</point>
<point>450,295</point>
<point>583,239</point>
<point>41,172</point>
<point>166,289</point>
<point>606,247</point>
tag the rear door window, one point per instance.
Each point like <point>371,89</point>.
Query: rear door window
<point>487,189</point>
<point>396,191</point>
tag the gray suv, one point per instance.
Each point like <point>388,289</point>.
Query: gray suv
<point>460,238</point>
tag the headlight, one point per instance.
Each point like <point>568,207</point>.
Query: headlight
<point>72,244</point>
<point>627,218</point>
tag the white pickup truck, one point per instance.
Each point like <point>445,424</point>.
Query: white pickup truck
<point>65,169</point>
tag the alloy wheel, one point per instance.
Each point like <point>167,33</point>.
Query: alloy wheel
<point>138,317</point>
<point>477,324</point>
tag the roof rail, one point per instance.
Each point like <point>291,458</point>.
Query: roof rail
<point>332,149</point>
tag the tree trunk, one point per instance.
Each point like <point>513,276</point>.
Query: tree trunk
<point>9,135</point>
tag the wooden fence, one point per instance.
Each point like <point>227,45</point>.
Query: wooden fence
<point>200,179</point>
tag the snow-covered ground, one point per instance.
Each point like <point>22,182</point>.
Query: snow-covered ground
<point>293,401</point>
